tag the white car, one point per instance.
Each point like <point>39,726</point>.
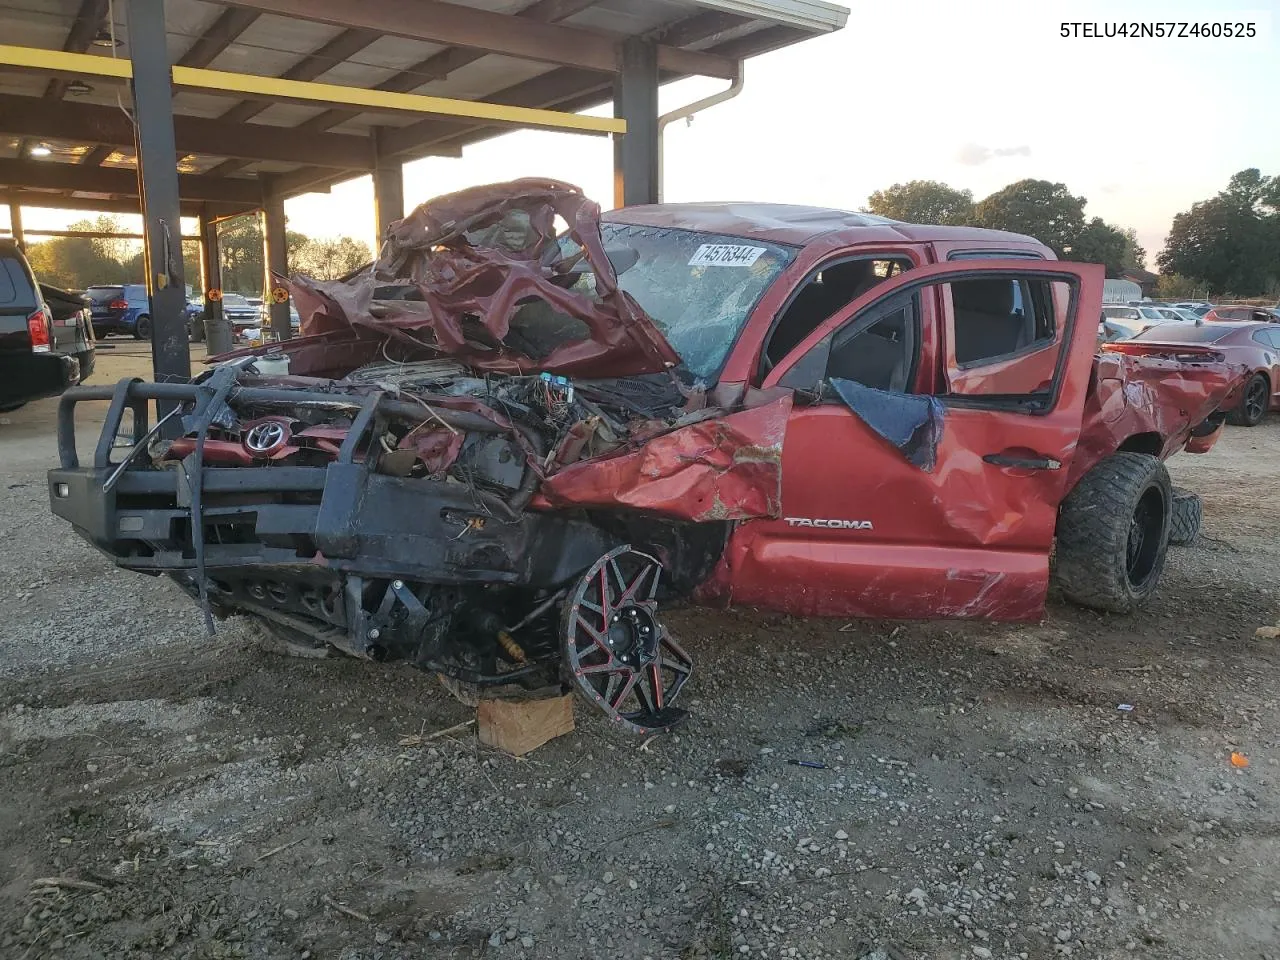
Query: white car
<point>1177,314</point>
<point>1134,319</point>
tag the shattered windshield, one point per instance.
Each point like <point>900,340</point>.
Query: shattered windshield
<point>698,288</point>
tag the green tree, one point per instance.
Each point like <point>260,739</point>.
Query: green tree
<point>1099,242</point>
<point>1230,241</point>
<point>923,201</point>
<point>1135,255</point>
<point>240,244</point>
<point>74,263</point>
<point>330,258</point>
<point>1044,210</point>
<point>136,267</point>
<point>1174,286</point>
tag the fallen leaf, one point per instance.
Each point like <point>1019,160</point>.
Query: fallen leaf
<point>1239,760</point>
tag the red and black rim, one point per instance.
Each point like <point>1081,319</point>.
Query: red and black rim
<point>621,657</point>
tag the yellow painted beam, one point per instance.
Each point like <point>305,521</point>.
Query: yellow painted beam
<point>59,61</point>
<point>273,88</point>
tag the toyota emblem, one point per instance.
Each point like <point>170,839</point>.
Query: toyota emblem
<point>266,437</point>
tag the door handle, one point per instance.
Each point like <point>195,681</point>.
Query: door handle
<point>1023,463</point>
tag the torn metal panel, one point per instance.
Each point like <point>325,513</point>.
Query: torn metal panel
<point>1152,391</point>
<point>481,275</point>
<point>913,423</point>
<point>721,468</point>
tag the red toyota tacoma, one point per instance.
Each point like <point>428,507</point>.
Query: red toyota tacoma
<point>498,449</point>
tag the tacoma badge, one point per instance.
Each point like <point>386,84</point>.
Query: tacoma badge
<point>830,524</point>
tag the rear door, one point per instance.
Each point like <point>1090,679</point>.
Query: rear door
<point>925,478</point>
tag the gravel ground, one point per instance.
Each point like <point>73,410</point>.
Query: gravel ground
<point>164,794</point>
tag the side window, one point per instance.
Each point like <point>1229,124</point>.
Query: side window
<point>826,291</point>
<point>1003,336</point>
<point>993,319</point>
<point>877,350</point>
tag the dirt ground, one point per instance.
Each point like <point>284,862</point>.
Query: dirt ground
<point>981,791</point>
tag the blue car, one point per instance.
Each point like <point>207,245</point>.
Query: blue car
<point>120,308</point>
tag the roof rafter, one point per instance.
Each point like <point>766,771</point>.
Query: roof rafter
<point>42,175</point>
<point>65,120</point>
<point>455,25</point>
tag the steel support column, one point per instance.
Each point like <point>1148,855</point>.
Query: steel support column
<point>15,224</point>
<point>158,176</point>
<point>217,331</point>
<point>275,258</point>
<point>635,100</point>
<point>388,188</point>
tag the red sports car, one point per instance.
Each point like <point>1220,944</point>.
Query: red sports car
<point>1260,314</point>
<point>1250,342</point>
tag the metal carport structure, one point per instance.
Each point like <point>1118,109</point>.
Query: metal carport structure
<point>263,100</point>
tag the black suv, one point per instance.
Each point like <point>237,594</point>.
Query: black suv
<point>46,336</point>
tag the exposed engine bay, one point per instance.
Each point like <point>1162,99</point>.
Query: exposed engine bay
<point>429,475</point>
<point>450,572</point>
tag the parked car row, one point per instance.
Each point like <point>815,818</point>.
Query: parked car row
<point>125,309</point>
<point>1124,321</point>
<point>46,334</point>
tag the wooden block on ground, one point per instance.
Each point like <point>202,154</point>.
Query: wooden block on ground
<point>519,726</point>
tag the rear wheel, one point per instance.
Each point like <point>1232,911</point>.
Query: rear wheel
<point>1113,533</point>
<point>1253,402</point>
<point>142,329</point>
<point>1184,524</point>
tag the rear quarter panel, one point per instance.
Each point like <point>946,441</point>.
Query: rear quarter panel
<point>1137,395</point>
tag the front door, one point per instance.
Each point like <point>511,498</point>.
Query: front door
<point>922,478</point>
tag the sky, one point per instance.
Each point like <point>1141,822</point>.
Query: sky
<point>976,94</point>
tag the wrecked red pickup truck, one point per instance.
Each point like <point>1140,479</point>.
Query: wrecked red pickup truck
<point>497,450</point>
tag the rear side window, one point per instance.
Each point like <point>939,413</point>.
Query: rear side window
<point>1268,338</point>
<point>993,255</point>
<point>15,286</point>
<point>1000,318</point>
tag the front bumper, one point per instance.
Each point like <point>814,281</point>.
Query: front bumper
<point>331,521</point>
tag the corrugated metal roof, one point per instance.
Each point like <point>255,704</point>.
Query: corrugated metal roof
<point>271,45</point>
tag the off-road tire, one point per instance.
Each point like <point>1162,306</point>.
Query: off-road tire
<point>1255,399</point>
<point>1113,533</point>
<point>1184,524</point>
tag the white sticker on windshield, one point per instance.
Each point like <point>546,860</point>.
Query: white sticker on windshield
<point>725,255</point>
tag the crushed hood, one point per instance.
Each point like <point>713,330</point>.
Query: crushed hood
<point>483,275</point>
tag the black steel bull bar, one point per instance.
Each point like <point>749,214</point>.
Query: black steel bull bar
<point>135,394</point>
